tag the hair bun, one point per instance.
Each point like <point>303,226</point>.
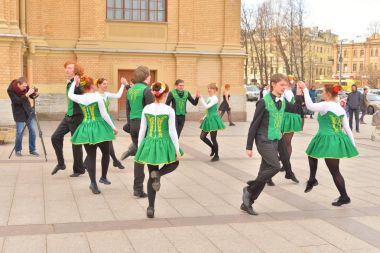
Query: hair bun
<point>337,88</point>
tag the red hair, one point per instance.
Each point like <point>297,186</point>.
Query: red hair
<point>333,89</point>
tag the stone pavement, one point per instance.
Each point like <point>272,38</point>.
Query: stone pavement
<point>197,208</point>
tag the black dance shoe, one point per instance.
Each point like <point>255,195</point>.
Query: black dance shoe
<point>156,184</point>
<point>341,201</point>
<point>248,209</point>
<point>232,124</point>
<point>292,177</point>
<point>118,164</point>
<point>57,168</point>
<point>140,194</point>
<point>77,174</point>
<point>104,180</point>
<point>270,182</point>
<point>125,155</point>
<point>150,212</point>
<point>94,188</point>
<point>215,158</point>
<point>212,152</point>
<point>310,185</point>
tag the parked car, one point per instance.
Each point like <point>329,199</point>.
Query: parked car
<point>374,103</point>
<point>252,92</point>
<point>375,91</point>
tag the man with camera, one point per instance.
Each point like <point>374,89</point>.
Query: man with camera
<point>19,93</point>
<point>70,122</point>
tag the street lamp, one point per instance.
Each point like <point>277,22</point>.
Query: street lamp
<point>341,60</point>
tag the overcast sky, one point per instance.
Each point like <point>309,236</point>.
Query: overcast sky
<point>347,18</point>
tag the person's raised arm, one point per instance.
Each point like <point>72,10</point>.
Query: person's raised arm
<point>211,102</point>
<point>116,95</point>
<point>104,113</point>
<point>192,100</point>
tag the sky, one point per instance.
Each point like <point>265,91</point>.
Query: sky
<point>346,18</point>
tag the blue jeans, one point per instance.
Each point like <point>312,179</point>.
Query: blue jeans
<point>32,135</point>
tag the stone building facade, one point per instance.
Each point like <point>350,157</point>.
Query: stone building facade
<point>109,38</point>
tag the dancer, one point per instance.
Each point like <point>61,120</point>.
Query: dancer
<point>158,142</point>
<point>330,142</point>
<point>211,122</point>
<point>102,85</point>
<point>266,130</point>
<point>178,98</point>
<point>69,123</point>
<point>292,123</point>
<point>96,129</point>
<point>139,95</point>
<point>225,106</point>
<point>131,151</point>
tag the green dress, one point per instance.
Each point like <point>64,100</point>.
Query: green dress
<point>93,129</point>
<point>331,141</point>
<point>157,147</point>
<point>292,122</point>
<point>212,121</point>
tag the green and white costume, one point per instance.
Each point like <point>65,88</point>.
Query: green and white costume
<point>97,125</point>
<point>212,121</point>
<point>158,139</point>
<point>330,140</point>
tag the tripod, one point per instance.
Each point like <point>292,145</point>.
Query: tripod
<point>33,113</point>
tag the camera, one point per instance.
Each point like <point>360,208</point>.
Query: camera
<point>35,94</point>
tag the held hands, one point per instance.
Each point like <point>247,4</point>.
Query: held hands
<point>301,85</point>
<point>249,153</point>
<point>198,94</point>
<point>123,80</point>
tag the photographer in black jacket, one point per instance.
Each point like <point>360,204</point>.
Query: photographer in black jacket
<point>19,93</point>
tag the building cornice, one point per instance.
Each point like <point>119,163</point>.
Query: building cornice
<point>138,51</point>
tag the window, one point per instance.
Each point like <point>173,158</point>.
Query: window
<point>345,68</point>
<point>345,53</point>
<point>361,66</point>
<point>137,10</point>
<point>354,53</point>
<point>361,53</point>
<point>354,67</point>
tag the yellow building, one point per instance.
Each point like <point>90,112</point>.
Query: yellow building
<point>198,41</point>
<point>360,60</point>
<point>318,56</point>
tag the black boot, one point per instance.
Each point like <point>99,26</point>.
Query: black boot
<point>150,212</point>
<point>292,177</point>
<point>310,184</point>
<point>94,188</point>
<point>248,209</point>
<point>118,164</point>
<point>215,158</point>
<point>342,200</point>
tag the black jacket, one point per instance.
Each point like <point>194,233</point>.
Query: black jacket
<point>21,107</point>
<point>260,122</point>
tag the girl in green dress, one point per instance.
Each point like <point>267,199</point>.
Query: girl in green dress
<point>330,142</point>
<point>211,122</point>
<point>96,129</point>
<point>157,141</point>
<point>102,85</point>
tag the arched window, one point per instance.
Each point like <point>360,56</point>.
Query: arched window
<point>137,10</point>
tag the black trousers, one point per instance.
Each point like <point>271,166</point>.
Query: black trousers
<point>166,169</point>
<point>68,124</point>
<point>179,123</point>
<point>284,156</point>
<point>270,166</point>
<point>139,175</point>
<point>353,112</point>
<point>91,159</point>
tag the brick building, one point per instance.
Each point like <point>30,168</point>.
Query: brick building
<point>109,38</point>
